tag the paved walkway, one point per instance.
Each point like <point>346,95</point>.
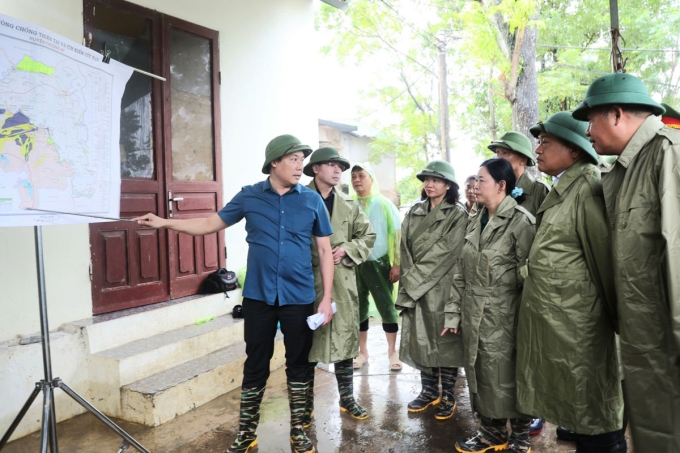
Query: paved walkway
<point>212,427</point>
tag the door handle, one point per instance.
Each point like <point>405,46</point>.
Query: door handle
<point>170,200</point>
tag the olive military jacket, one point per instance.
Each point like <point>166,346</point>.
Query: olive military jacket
<point>488,287</point>
<point>339,339</point>
<point>642,193</point>
<point>430,245</point>
<point>567,368</point>
<point>535,192</point>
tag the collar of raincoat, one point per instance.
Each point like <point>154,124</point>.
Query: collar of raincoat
<point>570,174</point>
<point>506,208</point>
<point>421,207</point>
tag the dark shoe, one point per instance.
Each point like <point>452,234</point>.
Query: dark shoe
<point>344,374</point>
<point>536,426</point>
<point>309,406</point>
<point>520,441</point>
<point>350,406</point>
<point>492,435</point>
<point>243,443</point>
<point>446,407</point>
<point>565,434</point>
<point>297,399</point>
<point>249,418</point>
<point>480,443</point>
<point>429,395</point>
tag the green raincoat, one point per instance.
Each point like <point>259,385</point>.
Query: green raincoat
<point>488,289</point>
<point>430,246</point>
<point>567,369</point>
<point>339,340</point>
<point>642,191</point>
<point>535,191</point>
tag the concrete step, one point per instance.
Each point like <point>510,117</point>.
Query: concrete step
<point>114,368</point>
<point>148,356</point>
<point>112,330</point>
<point>164,396</point>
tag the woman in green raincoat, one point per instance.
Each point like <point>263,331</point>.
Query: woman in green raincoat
<point>489,289</point>
<point>432,237</point>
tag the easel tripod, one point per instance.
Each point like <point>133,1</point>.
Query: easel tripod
<point>48,433</point>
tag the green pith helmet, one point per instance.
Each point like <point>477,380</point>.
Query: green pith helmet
<point>279,147</point>
<point>671,117</point>
<point>617,88</point>
<point>438,169</point>
<point>517,142</point>
<point>323,155</point>
<point>564,126</point>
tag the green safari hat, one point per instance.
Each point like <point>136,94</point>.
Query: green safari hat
<point>617,88</point>
<point>564,126</point>
<point>279,147</point>
<point>517,142</point>
<point>323,155</point>
<point>438,169</point>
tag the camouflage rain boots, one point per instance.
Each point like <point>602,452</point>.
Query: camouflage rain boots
<point>249,417</point>
<point>344,374</point>
<point>297,399</point>
<point>448,403</point>
<point>429,395</point>
<point>492,435</point>
<point>520,436</point>
<point>309,407</point>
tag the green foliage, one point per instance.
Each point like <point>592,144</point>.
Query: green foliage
<point>566,73</point>
<point>397,42</point>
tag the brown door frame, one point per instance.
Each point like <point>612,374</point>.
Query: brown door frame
<point>139,196</point>
<point>185,285</point>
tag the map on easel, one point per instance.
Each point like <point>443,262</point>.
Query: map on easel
<point>59,127</point>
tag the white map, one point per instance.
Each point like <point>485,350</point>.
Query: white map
<point>59,127</point>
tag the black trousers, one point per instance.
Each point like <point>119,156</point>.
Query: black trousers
<point>259,328</point>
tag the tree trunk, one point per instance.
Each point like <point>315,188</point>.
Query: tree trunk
<point>525,104</point>
<point>492,108</point>
<point>445,142</point>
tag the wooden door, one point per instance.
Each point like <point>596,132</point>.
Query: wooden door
<point>132,265</point>
<point>192,163</point>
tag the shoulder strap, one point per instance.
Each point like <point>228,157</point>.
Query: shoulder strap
<point>524,211</point>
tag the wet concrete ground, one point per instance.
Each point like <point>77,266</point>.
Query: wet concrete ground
<point>390,428</point>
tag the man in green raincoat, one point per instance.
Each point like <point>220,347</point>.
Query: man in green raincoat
<point>515,147</point>
<point>567,369</point>
<point>642,193</point>
<point>351,242</point>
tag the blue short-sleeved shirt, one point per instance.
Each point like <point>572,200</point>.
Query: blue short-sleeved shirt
<point>279,233</point>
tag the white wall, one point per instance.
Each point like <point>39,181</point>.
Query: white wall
<point>267,59</point>
<point>66,248</point>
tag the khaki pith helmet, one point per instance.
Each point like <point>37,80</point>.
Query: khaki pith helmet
<point>619,89</point>
<point>279,147</point>
<point>517,142</point>
<point>564,126</point>
<point>323,155</point>
<point>438,169</point>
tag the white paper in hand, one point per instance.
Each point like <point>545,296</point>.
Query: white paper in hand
<point>316,320</point>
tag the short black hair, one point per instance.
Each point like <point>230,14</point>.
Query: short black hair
<point>501,170</point>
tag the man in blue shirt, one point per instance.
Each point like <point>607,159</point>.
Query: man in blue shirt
<point>281,218</point>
